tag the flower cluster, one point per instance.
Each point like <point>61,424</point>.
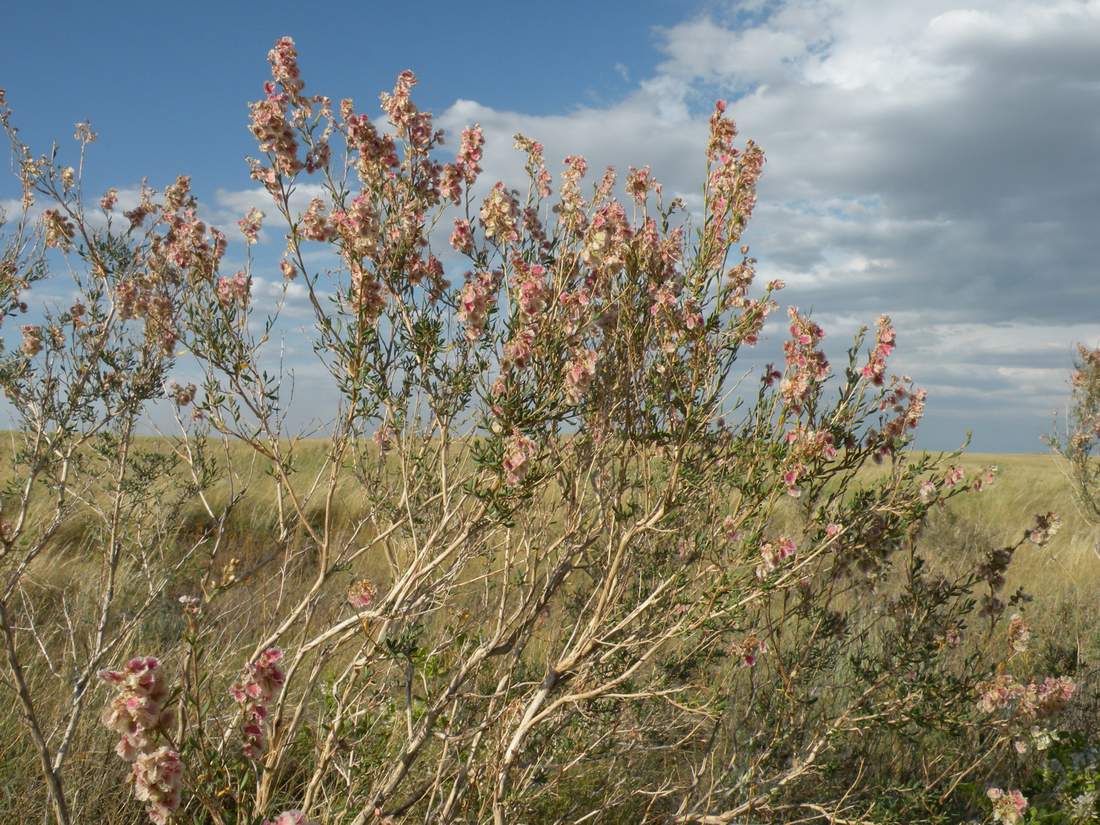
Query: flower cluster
<point>907,406</point>
<point>271,126</point>
<point>156,776</point>
<point>1046,526</point>
<point>361,594</point>
<point>773,554</point>
<point>284,65</point>
<point>59,229</point>
<point>32,340</point>
<point>807,366</point>
<point>536,168</point>
<point>235,290</point>
<point>477,298</point>
<point>500,215</point>
<point>518,454</point>
<point>250,225</point>
<point>314,226</point>
<point>262,681</point>
<point>289,818</point>
<point>137,709</point>
<point>805,445</point>
<point>748,649</point>
<point>579,374</point>
<point>1030,702</point>
<point>1008,806</point>
<point>1019,634</point>
<point>875,369</point>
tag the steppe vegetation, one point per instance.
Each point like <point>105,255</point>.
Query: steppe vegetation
<point>557,559</point>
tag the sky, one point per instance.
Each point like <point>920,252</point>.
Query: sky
<point>935,161</point>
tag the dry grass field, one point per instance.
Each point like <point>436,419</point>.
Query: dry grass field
<point>1062,579</point>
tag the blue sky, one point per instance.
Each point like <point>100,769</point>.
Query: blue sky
<point>934,159</point>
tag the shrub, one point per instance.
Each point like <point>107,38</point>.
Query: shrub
<point>588,571</point>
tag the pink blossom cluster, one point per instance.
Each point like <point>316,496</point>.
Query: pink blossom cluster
<point>732,183</point>
<point>571,205</point>
<point>518,455</point>
<point>361,594</point>
<point>462,238</point>
<point>59,229</point>
<point>284,66</point>
<point>289,818</point>
<point>271,126</point>
<point>754,312</point>
<point>1046,527</point>
<point>466,166</point>
<point>722,132</point>
<point>366,293</point>
<point>475,301</point>
<point>985,479</point>
<point>411,124</point>
<point>532,293</point>
<point>536,167</point>
<point>907,405</point>
<point>262,681</point>
<point>144,208</point>
<point>773,554</point>
<point>234,291</point>
<point>358,228</point>
<point>32,340</point>
<point>500,215</point>
<point>927,491</point>
<point>1019,634</point>
<point>109,200</point>
<point>639,183</point>
<point>805,445</point>
<point>607,240</point>
<point>579,374</point>
<point>182,394</point>
<point>1008,806</point>
<point>807,366</point>
<point>157,776</point>
<point>314,225</point>
<point>145,298</point>
<point>250,225</point>
<point>875,370</point>
<point>1033,701</point>
<point>137,709</point>
<point>375,154</point>
<point>748,649</point>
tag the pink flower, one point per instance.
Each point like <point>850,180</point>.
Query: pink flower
<point>579,374</point>
<point>875,370</point>
<point>361,594</point>
<point>59,229</point>
<point>462,238</point>
<point>476,299</point>
<point>289,818</point>
<point>1008,806</point>
<point>32,340</point>
<point>137,709</point>
<point>1019,634</point>
<point>517,458</point>
<point>1046,526</point>
<point>807,366</point>
<point>156,777</point>
<point>500,215</point>
<point>927,491</point>
<point>250,225</point>
<point>261,683</point>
